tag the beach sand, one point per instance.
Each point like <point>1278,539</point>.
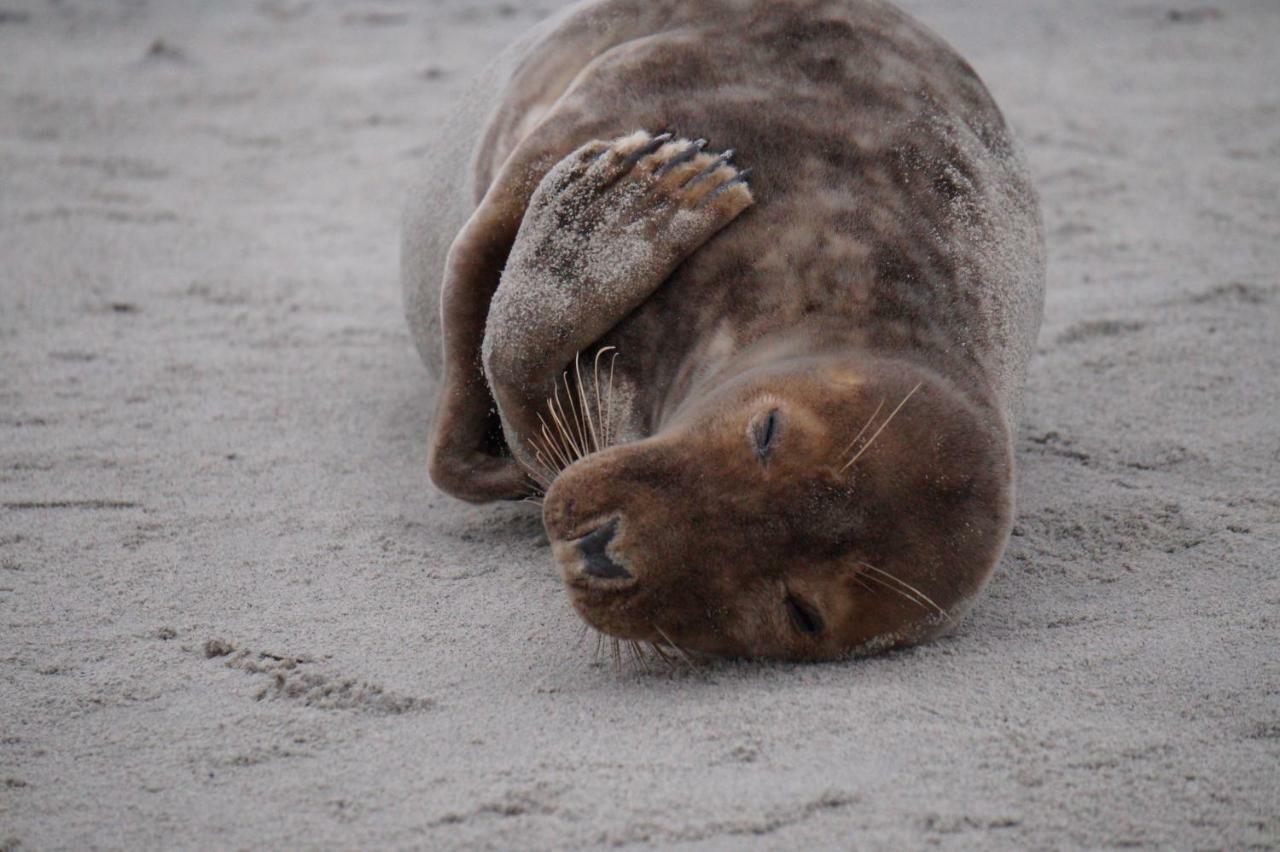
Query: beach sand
<point>236,614</point>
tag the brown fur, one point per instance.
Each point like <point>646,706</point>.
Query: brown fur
<point>893,243</point>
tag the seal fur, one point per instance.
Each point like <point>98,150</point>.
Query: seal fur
<point>887,257</point>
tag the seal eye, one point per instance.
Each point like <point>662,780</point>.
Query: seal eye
<point>803,617</point>
<point>764,433</point>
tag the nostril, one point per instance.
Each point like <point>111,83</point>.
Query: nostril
<point>595,559</point>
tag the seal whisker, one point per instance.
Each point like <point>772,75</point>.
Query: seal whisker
<point>572,450</point>
<point>553,445</point>
<point>920,597</point>
<point>639,655</point>
<point>667,659</point>
<point>538,473</point>
<point>561,420</point>
<point>579,416</point>
<point>863,430</point>
<point>575,424</point>
<point>538,477</point>
<point>897,591</point>
<point>542,467</point>
<point>557,437</point>
<point>680,651</point>
<point>884,585</point>
<point>863,584</point>
<point>609,406</point>
<point>574,432</point>
<point>595,383</point>
<point>886,422</point>
<point>539,481</point>
<point>602,411</point>
<point>586,408</point>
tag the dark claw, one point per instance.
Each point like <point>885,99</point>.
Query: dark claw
<point>652,145</point>
<point>691,151</point>
<point>739,178</point>
<point>711,167</point>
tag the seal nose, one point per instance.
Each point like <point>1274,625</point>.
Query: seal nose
<point>595,560</point>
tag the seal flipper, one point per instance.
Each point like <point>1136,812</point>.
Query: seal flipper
<point>603,230</point>
<point>461,459</point>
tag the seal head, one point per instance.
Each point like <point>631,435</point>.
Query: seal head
<point>790,514</point>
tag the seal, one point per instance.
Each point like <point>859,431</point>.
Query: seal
<point>768,413</point>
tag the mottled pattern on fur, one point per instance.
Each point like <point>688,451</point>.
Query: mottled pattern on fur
<point>891,203</point>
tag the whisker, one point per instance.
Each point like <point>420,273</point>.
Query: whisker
<point>638,651</point>
<point>608,432</point>
<point>886,422</point>
<point>537,474</point>
<point>584,449</point>
<point>573,431</point>
<point>882,584</point>
<point>600,412</point>
<point>666,658</point>
<point>561,420</point>
<point>553,445</point>
<point>586,409</point>
<point>595,385</point>
<point>537,483</point>
<point>920,597</point>
<point>541,467</point>
<point>561,424</point>
<point>680,651</point>
<point>542,464</point>
<point>861,431</point>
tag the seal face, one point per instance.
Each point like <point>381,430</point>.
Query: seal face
<point>806,509</point>
<point>762,365</point>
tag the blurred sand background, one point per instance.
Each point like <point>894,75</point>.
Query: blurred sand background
<point>235,614</point>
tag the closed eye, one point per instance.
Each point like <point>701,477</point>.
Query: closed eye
<point>764,433</point>
<point>803,616</point>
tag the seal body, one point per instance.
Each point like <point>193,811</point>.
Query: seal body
<point>810,409</point>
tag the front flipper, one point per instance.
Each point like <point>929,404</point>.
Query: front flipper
<point>464,459</point>
<point>603,230</point>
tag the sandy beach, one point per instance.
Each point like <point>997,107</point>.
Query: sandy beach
<point>236,614</point>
